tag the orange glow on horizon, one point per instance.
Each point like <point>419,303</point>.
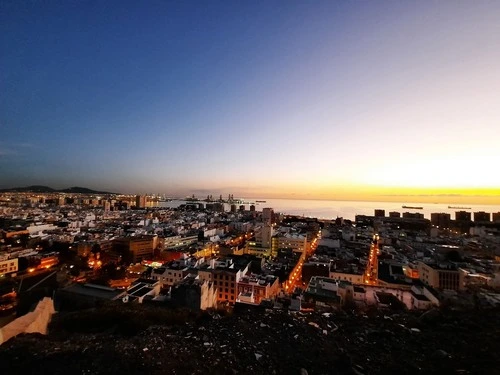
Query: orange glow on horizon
<point>386,194</point>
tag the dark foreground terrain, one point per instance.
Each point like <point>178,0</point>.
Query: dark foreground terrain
<point>125,339</point>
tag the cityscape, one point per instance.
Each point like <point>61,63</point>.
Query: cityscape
<point>281,187</point>
<point>70,252</point>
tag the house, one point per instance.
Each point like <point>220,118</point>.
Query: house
<point>194,293</point>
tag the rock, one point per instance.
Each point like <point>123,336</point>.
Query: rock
<point>416,330</point>
<point>258,356</point>
<point>429,316</point>
<point>303,371</point>
<point>440,354</point>
<point>145,349</point>
<point>314,324</point>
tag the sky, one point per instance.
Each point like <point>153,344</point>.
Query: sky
<point>372,100</point>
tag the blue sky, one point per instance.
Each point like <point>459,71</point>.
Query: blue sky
<point>249,97</point>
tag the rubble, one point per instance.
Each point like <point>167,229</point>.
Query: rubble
<point>255,342</point>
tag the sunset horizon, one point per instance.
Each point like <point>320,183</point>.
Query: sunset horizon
<point>336,100</point>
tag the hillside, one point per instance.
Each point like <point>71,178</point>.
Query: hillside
<point>141,340</point>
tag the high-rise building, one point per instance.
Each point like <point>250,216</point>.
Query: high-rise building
<point>482,216</point>
<point>462,216</point>
<point>268,215</point>
<point>233,208</point>
<point>441,220</point>
<point>264,236</point>
<point>252,208</point>
<point>140,201</point>
<point>394,214</point>
<point>496,216</point>
<point>379,213</point>
<point>413,215</point>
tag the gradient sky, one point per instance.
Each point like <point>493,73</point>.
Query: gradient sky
<point>333,99</point>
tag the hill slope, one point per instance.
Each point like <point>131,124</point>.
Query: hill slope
<point>259,342</point>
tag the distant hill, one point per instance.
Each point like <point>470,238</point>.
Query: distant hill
<point>82,190</point>
<point>47,189</point>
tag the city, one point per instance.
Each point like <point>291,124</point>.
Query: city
<point>240,187</point>
<point>69,252</point>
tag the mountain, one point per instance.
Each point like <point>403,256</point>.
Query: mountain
<point>47,189</point>
<point>82,190</point>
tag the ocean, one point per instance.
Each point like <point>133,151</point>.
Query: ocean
<point>327,209</point>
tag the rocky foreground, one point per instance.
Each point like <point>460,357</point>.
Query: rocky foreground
<point>140,340</point>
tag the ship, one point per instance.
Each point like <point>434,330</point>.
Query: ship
<point>413,207</point>
<point>260,201</point>
<point>460,208</point>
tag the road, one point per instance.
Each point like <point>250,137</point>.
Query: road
<point>295,278</point>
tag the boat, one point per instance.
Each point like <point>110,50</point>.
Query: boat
<point>260,201</point>
<point>413,207</point>
<point>460,208</point>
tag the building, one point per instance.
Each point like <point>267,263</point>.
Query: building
<point>329,292</point>
<point>80,296</point>
<point>442,220</point>
<point>142,289</point>
<point>140,201</point>
<point>295,242</point>
<point>225,276</point>
<point>352,277</point>
<point>254,288</point>
<point>8,266</point>
<point>268,215</point>
<point>379,213</point>
<point>462,216</point>
<point>225,281</point>
<point>137,248</point>
<point>262,245</point>
<point>496,216</point>
<point>194,293</point>
<point>394,214</point>
<point>313,268</point>
<point>441,276</point>
<point>176,242</point>
<point>413,215</point>
<point>482,216</point>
